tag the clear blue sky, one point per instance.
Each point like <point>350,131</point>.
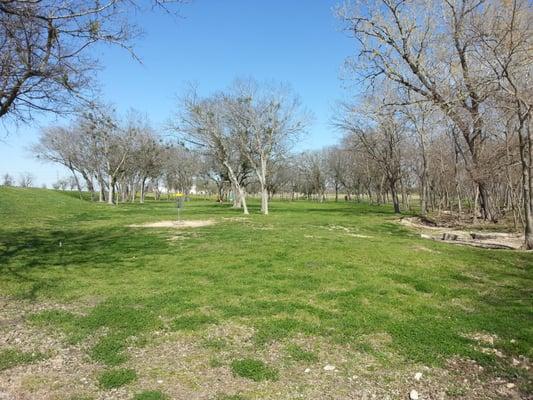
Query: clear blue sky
<point>298,41</point>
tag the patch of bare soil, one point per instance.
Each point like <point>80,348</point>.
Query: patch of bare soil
<point>175,224</point>
<point>347,231</point>
<point>185,366</point>
<point>490,240</point>
<point>182,367</point>
<point>63,372</point>
<point>236,219</point>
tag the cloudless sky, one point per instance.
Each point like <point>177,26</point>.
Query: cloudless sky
<point>299,42</point>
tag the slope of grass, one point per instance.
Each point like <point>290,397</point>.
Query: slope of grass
<point>340,271</point>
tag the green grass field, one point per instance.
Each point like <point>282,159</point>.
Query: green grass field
<point>252,307</point>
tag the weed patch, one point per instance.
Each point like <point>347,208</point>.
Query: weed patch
<point>255,370</point>
<point>10,358</point>
<point>151,395</point>
<point>116,378</point>
<point>298,354</point>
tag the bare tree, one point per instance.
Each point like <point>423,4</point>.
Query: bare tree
<point>8,180</point>
<point>313,168</point>
<point>145,159</point>
<point>63,145</point>
<point>202,123</point>
<point>45,61</point>
<point>337,167</point>
<point>419,116</point>
<point>378,131</point>
<point>507,51</point>
<point>113,145</point>
<point>265,121</point>
<point>26,180</point>
<point>180,166</point>
<point>427,47</point>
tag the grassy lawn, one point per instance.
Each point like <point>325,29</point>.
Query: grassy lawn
<point>252,307</point>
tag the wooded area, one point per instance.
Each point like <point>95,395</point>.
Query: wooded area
<point>446,115</point>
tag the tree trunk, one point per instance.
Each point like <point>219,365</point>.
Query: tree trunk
<point>529,136</point>
<point>111,191</point>
<point>381,195</point>
<point>237,201</point>
<point>394,195</point>
<point>101,185</point>
<point>476,203</point>
<point>143,186</point>
<point>124,191</point>
<point>262,174</point>
<point>424,175</point>
<point>237,197</point>
<point>423,196</point>
<point>242,196</point>
<point>484,203</point>
<point>405,201</point>
<point>236,185</point>
<point>78,186</point>
<point>89,183</point>
<point>264,200</point>
<point>525,164</point>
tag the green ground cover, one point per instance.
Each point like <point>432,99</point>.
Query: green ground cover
<point>341,272</point>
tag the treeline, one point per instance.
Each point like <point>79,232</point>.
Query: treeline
<point>233,141</point>
<point>116,159</point>
<point>445,114</point>
<point>448,104</point>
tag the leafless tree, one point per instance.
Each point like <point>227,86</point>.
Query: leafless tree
<point>338,165</point>
<point>180,166</point>
<point>378,130</point>
<point>7,180</point>
<point>427,48</point>
<point>45,51</point>
<point>63,145</point>
<point>314,173</point>
<point>202,122</point>
<point>507,51</point>
<point>26,180</point>
<point>265,120</point>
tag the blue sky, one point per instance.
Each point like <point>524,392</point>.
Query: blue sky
<point>298,42</point>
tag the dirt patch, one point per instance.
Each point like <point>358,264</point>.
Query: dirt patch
<point>236,219</point>
<point>181,365</point>
<point>347,231</point>
<point>483,337</point>
<point>175,224</point>
<point>489,240</point>
<point>424,249</point>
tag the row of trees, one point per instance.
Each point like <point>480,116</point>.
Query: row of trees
<point>118,158</point>
<point>25,180</point>
<point>446,113</point>
<point>240,137</point>
<point>449,101</point>
<point>243,132</point>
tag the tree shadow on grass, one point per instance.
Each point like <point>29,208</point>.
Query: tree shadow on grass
<point>352,211</point>
<point>27,255</point>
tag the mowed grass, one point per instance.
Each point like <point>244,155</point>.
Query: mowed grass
<point>344,272</point>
